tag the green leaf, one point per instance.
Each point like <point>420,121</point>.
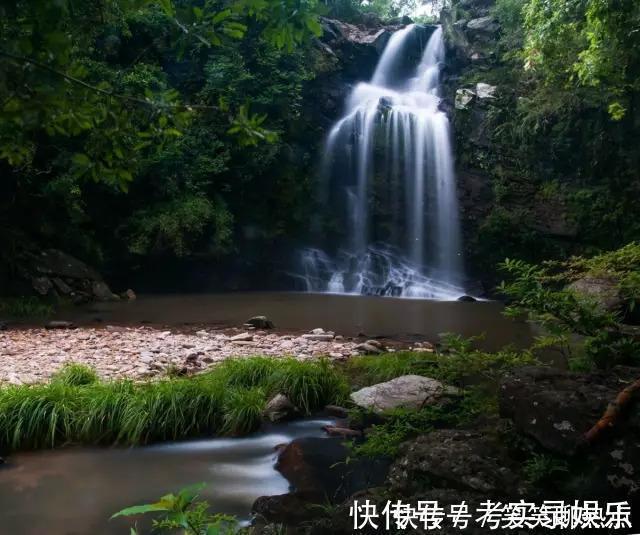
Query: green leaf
<point>141,509</point>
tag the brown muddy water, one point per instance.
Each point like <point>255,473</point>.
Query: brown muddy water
<point>75,491</point>
<point>345,314</point>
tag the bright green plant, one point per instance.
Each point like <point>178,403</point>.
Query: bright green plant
<point>228,399</point>
<point>183,512</point>
<point>243,410</point>
<point>75,374</point>
<point>541,292</point>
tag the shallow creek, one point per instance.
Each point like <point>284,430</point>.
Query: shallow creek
<point>76,490</point>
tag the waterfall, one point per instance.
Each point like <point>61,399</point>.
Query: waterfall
<point>389,168</point>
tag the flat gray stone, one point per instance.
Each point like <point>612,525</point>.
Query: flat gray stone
<point>408,391</point>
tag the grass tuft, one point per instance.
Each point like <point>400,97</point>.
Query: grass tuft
<point>75,407</point>
<point>74,374</point>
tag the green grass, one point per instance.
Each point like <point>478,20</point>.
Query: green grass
<point>74,374</point>
<point>25,307</point>
<point>75,408</point>
<point>457,363</point>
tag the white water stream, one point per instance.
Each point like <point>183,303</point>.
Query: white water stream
<point>394,122</point>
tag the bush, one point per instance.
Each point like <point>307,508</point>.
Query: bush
<point>541,292</point>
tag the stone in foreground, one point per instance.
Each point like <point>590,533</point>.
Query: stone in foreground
<point>408,391</point>
<point>280,408</point>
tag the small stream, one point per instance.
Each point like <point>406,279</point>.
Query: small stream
<point>74,491</point>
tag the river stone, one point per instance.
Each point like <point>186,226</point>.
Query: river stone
<point>102,292</point>
<point>59,325</point>
<point>408,391</point>
<point>279,408</point>
<point>260,322</point>
<point>242,337</point>
<point>318,337</point>
<point>368,348</point>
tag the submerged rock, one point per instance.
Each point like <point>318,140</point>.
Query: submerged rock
<point>408,391</point>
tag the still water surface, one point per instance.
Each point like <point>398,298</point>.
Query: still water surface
<point>345,314</point>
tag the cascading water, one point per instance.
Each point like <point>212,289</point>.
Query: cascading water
<point>389,168</point>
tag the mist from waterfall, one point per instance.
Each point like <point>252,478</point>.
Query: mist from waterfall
<point>391,151</point>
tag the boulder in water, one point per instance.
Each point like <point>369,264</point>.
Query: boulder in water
<point>60,325</point>
<point>467,299</point>
<point>407,391</point>
<point>260,322</point>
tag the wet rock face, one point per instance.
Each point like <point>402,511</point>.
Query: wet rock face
<point>317,467</point>
<point>457,459</point>
<point>53,272</point>
<point>348,54</point>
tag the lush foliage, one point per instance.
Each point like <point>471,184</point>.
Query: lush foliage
<point>560,147</point>
<point>24,307</point>
<point>185,512</point>
<point>542,292</point>
<point>164,100</point>
<point>456,362</point>
<point>75,408</point>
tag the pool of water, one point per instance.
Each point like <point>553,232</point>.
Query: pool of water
<point>345,314</point>
<point>76,490</point>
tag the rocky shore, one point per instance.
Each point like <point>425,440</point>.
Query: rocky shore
<point>33,355</point>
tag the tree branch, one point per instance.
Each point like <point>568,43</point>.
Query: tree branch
<point>105,92</point>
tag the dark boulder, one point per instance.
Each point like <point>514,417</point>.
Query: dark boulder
<point>54,273</point>
<point>452,458</point>
<point>260,322</point>
<point>556,408</point>
<point>289,509</point>
<point>317,466</point>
